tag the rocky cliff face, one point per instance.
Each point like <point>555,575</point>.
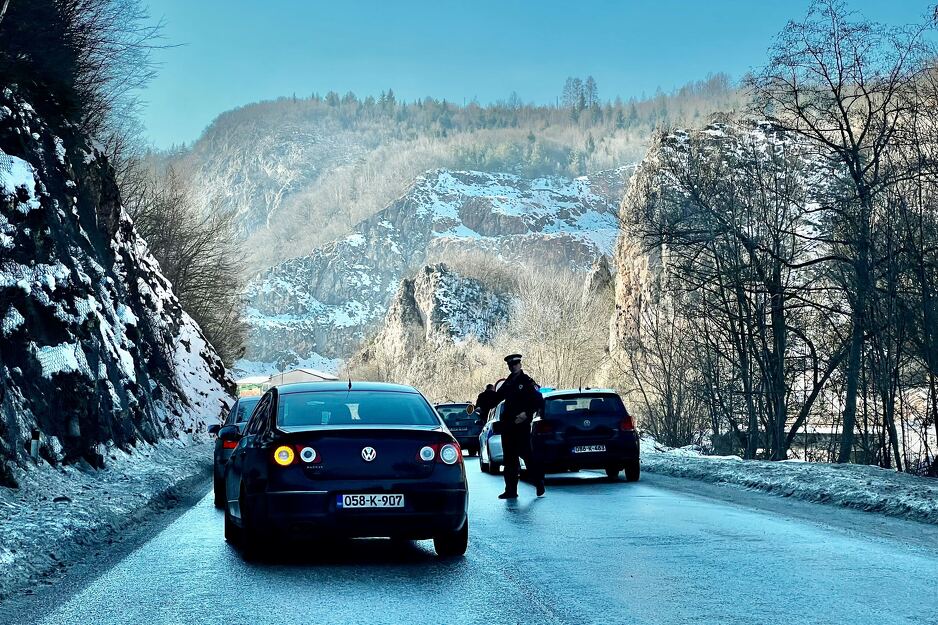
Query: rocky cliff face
<point>96,349</point>
<point>327,302</point>
<point>438,306</point>
<point>641,271</point>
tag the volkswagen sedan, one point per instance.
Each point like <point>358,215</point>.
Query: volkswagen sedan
<point>355,460</point>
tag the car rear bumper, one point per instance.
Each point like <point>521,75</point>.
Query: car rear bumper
<point>469,443</point>
<point>427,513</point>
<point>559,454</point>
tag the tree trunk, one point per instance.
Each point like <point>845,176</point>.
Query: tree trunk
<point>853,382</point>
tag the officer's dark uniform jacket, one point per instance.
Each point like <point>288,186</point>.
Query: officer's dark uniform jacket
<point>520,394</point>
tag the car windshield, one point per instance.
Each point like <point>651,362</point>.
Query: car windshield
<point>242,410</point>
<point>453,414</point>
<point>583,405</point>
<point>354,408</point>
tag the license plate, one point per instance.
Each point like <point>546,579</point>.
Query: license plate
<point>588,449</point>
<point>369,501</point>
<point>458,429</point>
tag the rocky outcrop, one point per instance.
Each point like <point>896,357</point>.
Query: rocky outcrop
<point>96,349</point>
<point>437,306</point>
<point>327,302</point>
<point>642,268</point>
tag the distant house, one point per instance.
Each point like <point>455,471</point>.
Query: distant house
<point>252,385</point>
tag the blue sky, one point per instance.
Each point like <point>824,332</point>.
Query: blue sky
<point>233,52</point>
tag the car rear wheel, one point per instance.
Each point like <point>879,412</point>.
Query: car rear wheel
<point>483,465</point>
<point>633,471</point>
<point>613,473</point>
<point>452,544</point>
<point>494,468</point>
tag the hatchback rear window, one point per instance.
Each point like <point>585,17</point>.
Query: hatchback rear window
<point>242,410</point>
<point>583,405</point>
<point>354,408</point>
<point>453,414</point>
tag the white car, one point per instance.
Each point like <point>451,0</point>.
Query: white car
<point>490,444</point>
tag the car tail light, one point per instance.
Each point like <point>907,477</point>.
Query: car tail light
<point>450,453</point>
<point>626,424</point>
<point>229,444</point>
<point>542,427</point>
<point>309,455</point>
<point>447,453</point>
<point>284,456</point>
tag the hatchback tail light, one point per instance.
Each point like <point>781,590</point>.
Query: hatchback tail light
<point>626,424</point>
<point>229,444</point>
<point>542,427</point>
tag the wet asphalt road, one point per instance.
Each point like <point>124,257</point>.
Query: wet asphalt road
<point>590,552</point>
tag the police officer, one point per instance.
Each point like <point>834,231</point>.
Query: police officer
<point>522,399</point>
<point>486,401</point>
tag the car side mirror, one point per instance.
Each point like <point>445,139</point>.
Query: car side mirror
<point>470,408</point>
<point>213,429</point>
<point>229,433</point>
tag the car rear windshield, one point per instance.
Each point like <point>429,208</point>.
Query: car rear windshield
<point>242,410</point>
<point>453,414</point>
<point>354,408</point>
<point>577,406</point>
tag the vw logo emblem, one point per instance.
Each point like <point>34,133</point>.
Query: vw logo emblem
<point>586,423</point>
<point>369,454</point>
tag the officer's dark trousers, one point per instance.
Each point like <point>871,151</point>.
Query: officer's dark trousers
<point>516,444</point>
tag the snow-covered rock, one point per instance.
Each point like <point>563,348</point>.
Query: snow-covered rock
<point>438,306</point>
<point>96,350</point>
<point>326,303</point>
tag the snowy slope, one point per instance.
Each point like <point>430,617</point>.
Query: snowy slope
<point>327,302</point>
<point>97,350</point>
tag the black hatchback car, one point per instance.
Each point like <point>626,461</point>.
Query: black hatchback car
<point>465,426</point>
<point>236,420</point>
<point>354,460</point>
<point>586,429</point>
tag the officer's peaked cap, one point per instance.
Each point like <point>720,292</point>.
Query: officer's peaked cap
<point>513,358</point>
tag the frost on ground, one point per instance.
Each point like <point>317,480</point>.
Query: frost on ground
<point>60,512</point>
<point>850,485</point>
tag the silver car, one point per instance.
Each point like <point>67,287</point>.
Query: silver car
<point>490,444</point>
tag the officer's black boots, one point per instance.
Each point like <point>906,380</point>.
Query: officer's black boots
<point>511,488</point>
<point>540,488</point>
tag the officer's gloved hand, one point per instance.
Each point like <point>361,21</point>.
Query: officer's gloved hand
<point>522,416</point>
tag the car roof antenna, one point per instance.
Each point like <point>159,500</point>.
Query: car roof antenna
<point>350,384</point>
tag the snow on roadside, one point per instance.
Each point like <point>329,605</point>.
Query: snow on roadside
<point>849,485</point>
<point>58,513</point>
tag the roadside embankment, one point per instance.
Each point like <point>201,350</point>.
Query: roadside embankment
<point>849,485</point>
<point>59,514</point>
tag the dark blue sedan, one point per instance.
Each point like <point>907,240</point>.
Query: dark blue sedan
<point>236,421</point>
<point>353,460</point>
